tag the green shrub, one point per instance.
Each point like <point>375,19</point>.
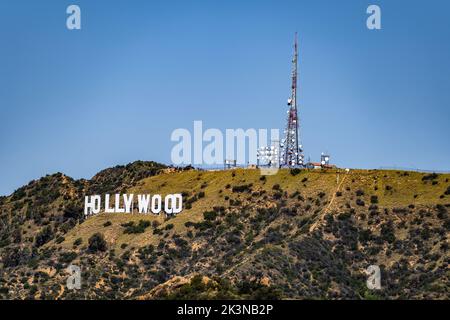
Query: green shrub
<point>44,236</point>
<point>344,216</point>
<point>242,188</point>
<point>387,232</point>
<point>132,228</point>
<point>210,215</point>
<point>442,212</point>
<point>67,257</point>
<point>59,239</point>
<point>97,243</point>
<point>447,192</point>
<point>364,235</point>
<point>77,242</point>
<point>431,176</point>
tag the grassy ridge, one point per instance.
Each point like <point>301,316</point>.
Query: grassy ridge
<point>392,188</point>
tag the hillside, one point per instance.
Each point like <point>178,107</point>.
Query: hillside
<point>298,234</point>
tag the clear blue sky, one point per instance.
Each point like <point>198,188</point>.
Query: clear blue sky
<point>111,93</point>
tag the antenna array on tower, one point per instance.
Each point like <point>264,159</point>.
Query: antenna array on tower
<point>291,150</point>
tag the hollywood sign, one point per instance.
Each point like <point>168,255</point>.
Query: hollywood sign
<point>126,203</point>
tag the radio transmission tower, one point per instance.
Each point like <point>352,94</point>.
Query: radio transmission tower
<point>292,153</point>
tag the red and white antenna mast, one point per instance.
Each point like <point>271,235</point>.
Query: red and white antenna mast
<point>292,153</point>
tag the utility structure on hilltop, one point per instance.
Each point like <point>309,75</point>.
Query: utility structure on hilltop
<point>291,150</point>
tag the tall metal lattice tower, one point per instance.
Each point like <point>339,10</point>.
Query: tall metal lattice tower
<point>291,150</point>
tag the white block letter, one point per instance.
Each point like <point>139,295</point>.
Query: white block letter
<point>173,203</point>
<point>108,209</point>
<point>156,204</point>
<point>92,205</point>
<point>128,200</point>
<point>143,201</point>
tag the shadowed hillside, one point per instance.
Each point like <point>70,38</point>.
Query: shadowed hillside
<point>297,234</point>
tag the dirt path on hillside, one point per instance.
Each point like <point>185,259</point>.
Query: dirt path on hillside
<point>61,292</point>
<point>327,209</point>
<point>243,261</point>
<point>312,228</point>
<point>248,256</point>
